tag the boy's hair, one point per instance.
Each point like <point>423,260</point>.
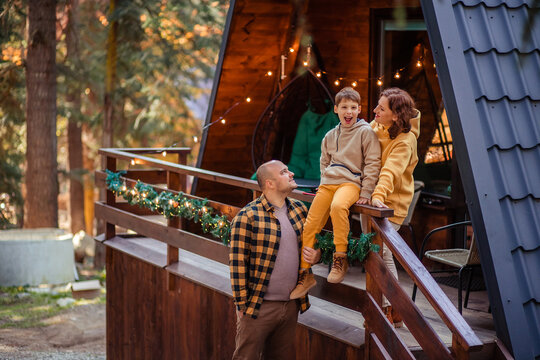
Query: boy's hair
<point>401,104</point>
<point>348,93</point>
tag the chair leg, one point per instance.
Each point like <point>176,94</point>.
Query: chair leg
<point>413,239</point>
<point>459,290</point>
<point>471,274</point>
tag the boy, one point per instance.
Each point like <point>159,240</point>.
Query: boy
<point>350,165</point>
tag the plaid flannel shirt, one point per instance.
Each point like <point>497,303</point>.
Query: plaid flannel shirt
<point>255,234</point>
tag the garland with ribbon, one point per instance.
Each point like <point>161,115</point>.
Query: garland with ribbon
<point>171,205</point>
<point>357,248</point>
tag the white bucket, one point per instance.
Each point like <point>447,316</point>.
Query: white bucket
<point>36,256</point>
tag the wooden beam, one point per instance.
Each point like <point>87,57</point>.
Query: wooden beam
<point>422,331</point>
<point>210,249</point>
<point>425,282</point>
<point>377,323</point>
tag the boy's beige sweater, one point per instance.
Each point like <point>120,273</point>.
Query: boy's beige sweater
<point>399,158</point>
<point>351,155</point>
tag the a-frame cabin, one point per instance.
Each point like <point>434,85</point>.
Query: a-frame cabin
<point>481,71</point>
<point>471,70</point>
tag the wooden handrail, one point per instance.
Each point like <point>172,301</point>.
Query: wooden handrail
<point>227,179</point>
<point>437,298</point>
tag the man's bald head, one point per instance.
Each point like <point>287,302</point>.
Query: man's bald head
<point>267,171</point>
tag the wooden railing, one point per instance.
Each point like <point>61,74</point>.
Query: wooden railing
<point>381,339</point>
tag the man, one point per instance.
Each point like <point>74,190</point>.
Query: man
<point>264,263</point>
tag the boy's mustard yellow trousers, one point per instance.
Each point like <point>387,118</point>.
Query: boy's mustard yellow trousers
<point>333,201</point>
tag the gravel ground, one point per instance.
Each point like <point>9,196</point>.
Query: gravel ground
<point>77,333</point>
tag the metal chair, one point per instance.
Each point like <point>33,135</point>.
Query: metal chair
<point>461,259</point>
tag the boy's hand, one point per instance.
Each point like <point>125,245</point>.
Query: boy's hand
<point>363,201</point>
<point>311,256</point>
<point>378,203</point>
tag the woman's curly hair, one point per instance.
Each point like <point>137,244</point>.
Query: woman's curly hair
<point>401,104</point>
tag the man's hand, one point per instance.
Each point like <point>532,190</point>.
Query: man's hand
<point>239,314</point>
<point>363,201</point>
<point>378,203</point>
<point>311,256</point>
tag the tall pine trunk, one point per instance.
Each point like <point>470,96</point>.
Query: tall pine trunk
<point>75,147</point>
<point>107,141</point>
<point>41,206</point>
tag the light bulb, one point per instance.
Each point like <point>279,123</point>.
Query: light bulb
<point>269,73</point>
<point>248,99</point>
<point>379,82</point>
<point>418,64</point>
<point>291,50</point>
<point>164,153</point>
<point>397,75</point>
<point>223,121</point>
<point>354,83</point>
<point>336,82</point>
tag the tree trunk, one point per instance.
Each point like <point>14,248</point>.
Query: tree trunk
<point>41,206</point>
<point>110,80</point>
<point>75,149</point>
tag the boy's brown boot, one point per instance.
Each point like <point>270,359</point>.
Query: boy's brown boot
<point>339,268</point>
<point>306,280</point>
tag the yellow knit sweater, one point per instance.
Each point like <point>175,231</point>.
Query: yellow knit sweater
<point>395,187</point>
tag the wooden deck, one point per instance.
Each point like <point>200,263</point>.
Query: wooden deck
<point>324,318</point>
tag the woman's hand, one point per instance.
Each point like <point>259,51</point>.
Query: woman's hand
<point>311,256</point>
<point>378,203</point>
<point>363,201</point>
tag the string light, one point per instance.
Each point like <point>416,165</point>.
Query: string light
<point>248,99</point>
<point>354,83</point>
<point>318,74</point>
<point>269,73</point>
<point>223,121</point>
<point>336,82</point>
<point>306,63</point>
<point>379,82</point>
<point>164,153</point>
<point>195,139</point>
<point>291,50</point>
<point>418,64</point>
<point>132,161</point>
<point>397,75</point>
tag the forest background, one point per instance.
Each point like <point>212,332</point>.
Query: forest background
<point>77,75</point>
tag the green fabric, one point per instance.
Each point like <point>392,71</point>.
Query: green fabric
<point>306,152</point>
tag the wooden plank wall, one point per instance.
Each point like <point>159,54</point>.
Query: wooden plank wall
<point>147,321</point>
<point>259,35</point>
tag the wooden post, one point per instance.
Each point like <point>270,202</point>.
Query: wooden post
<point>371,286</point>
<point>176,182</point>
<point>459,352</point>
<point>110,230</point>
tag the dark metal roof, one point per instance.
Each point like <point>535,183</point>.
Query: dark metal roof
<point>488,61</point>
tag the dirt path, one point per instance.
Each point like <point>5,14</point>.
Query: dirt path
<point>76,333</point>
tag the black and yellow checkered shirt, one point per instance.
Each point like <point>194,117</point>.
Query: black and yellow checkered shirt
<point>255,234</point>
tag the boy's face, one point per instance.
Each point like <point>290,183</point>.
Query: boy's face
<point>347,111</point>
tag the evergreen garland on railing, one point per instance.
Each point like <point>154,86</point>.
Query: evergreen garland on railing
<point>178,205</point>
<point>357,248</point>
<point>171,205</point>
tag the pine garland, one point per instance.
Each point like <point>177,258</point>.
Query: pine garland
<point>357,249</point>
<point>171,205</point>
<point>178,205</point>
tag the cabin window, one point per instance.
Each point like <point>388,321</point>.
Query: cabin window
<point>402,57</point>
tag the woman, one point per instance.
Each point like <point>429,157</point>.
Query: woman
<point>397,125</point>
